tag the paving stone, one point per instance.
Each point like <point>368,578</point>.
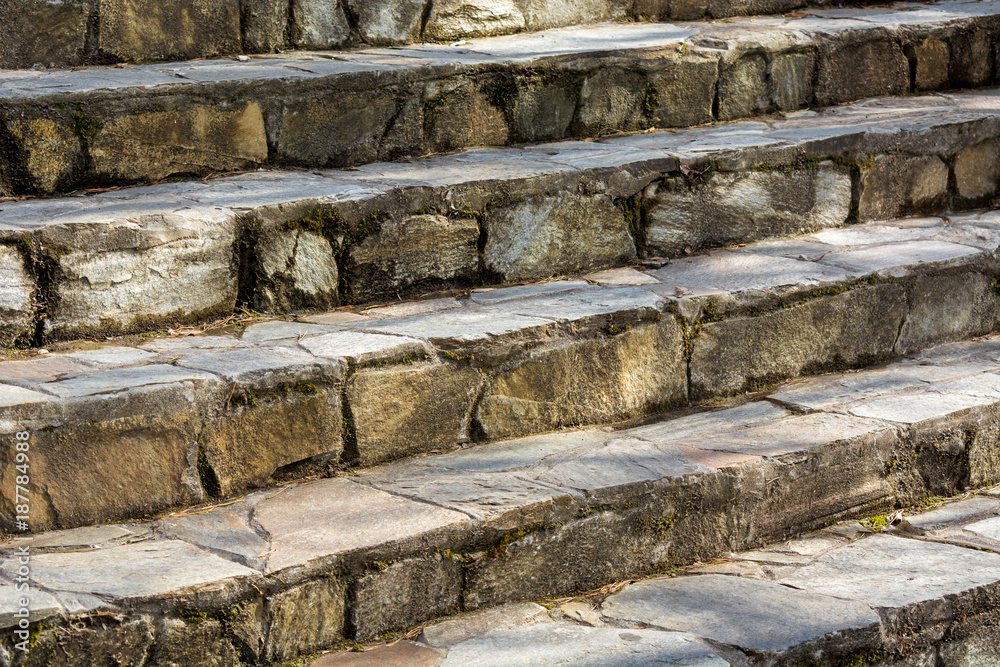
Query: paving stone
<point>886,571</point>
<point>41,604</point>
<point>262,370</point>
<point>954,513</point>
<point>738,208</point>
<point>222,531</point>
<point>397,654</point>
<point>328,517</point>
<point>497,619</point>
<point>551,643</point>
<point>277,330</point>
<point>408,308</point>
<point>410,409</point>
<point>363,348</point>
<point>757,617</point>
<point>624,276</point>
<point>891,258</point>
<point>463,328</point>
<point>146,569</point>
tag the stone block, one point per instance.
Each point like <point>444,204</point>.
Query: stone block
<point>463,19</point>
<point>684,91</point>
<point>598,380</point>
<point>543,14</point>
<point>456,115</point>
<point>871,65</point>
<point>303,619</point>
<point>93,643</point>
<point>791,80</point>
<point>610,99</point>
<point>384,23</point>
<point>410,409</point>
<point>545,236</point>
<point>724,208</point>
<point>49,153</point>
<point>404,594</point>
<point>418,250</point>
<point>945,308</point>
<point>17,292</point>
<point>971,64</point>
<point>743,89</point>
<point>295,269</point>
<point>264,24</point>
<point>541,109</point>
<point>152,145</point>
<point>318,24</point>
<point>198,644</point>
<point>894,186</point>
<point>138,30</point>
<point>932,56</point>
<point>52,34</point>
<point>725,8</point>
<point>977,174</point>
<point>856,328</point>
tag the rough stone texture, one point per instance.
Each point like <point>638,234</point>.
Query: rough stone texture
<point>791,77</point>
<point>743,89</point>
<point>457,115</point>
<point>895,186</point>
<point>318,24</point>
<point>405,594</point>
<point>504,617</point>
<point>398,654</point>
<point>542,109</point>
<point>246,445</point>
<point>128,276</point>
<point>201,139</point>
<point>604,379</point>
<point>610,98</point>
<point>303,619</point>
<point>542,14</point>
<point>977,174</point>
<point>17,289</point>
<point>94,642</point>
<point>463,19</point>
<point>417,250</point>
<point>970,65</point>
<point>41,32</point>
<point>547,236</point>
<point>410,409</point>
<point>948,307</point>
<point>932,56</point>
<point>296,269</point>
<point>865,66</point>
<point>52,153</point>
<point>727,208</point>
<point>685,91</point>
<point>263,24</point>
<point>199,644</point>
<point>383,24</point>
<point>134,31</point>
<point>846,330</point>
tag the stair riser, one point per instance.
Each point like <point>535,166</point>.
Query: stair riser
<point>286,243</point>
<point>372,108</point>
<point>103,31</point>
<point>181,435</point>
<point>562,545</point>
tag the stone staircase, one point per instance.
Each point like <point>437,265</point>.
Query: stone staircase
<point>295,374</point>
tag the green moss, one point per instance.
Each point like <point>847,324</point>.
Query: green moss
<point>614,329</point>
<point>306,388</point>
<point>651,101</point>
<point>876,523</point>
<point>500,550</point>
<point>194,615</point>
<point>24,245</point>
<point>86,127</point>
<point>648,525</point>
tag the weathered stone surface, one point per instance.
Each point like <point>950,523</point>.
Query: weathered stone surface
<point>610,98</point>
<point>164,270</point>
<point>364,348</point>
<point>396,654</point>
<point>409,409</point>
<point>303,619</point>
<point>542,14</point>
<point>743,89</point>
<point>894,186</point>
<point>970,64</point>
<point>944,308</point>
<point>419,250</point>
<point>865,66</point>
<point>847,330</point>
<point>336,515</point>
<point>738,207</point>
<point>41,32</point>
<point>17,289</point>
<point>932,56</point>
<point>245,445</point>
<point>457,115</point>
<point>296,269</point>
<point>546,236</point>
<point>199,644</point>
<point>604,379</point>
<point>51,153</point>
<point>404,594</point>
<point>225,532</point>
<point>547,644</point>
<point>263,24</point>
<point>152,145</point>
<point>541,109</point>
<point>384,24</point>
<point>755,616</point>
<point>684,91</point>
<point>497,619</point>
<point>977,174</point>
<point>132,30</point>
<point>318,24</point>
<point>791,77</point>
<point>463,19</point>
<point>94,643</point>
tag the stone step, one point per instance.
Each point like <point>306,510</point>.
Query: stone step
<point>921,594</point>
<point>126,428</point>
<point>147,258</point>
<point>301,567</point>
<point>78,32</point>
<point>63,130</point>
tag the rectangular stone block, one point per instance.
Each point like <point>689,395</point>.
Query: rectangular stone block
<point>304,619</point>
<point>945,308</point>
<point>846,330</point>
<point>50,154</point>
<point>893,186</point>
<point>263,25</point>
<point>977,174</point>
<point>723,208</point>
<point>142,30</point>
<point>743,88</point>
<point>52,34</point>
<point>684,90</point>
<point>409,409</point>
<point>17,296</point>
<point>318,24</point>
<point>932,57</point>
<point>852,67</point>
<point>603,379</point>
